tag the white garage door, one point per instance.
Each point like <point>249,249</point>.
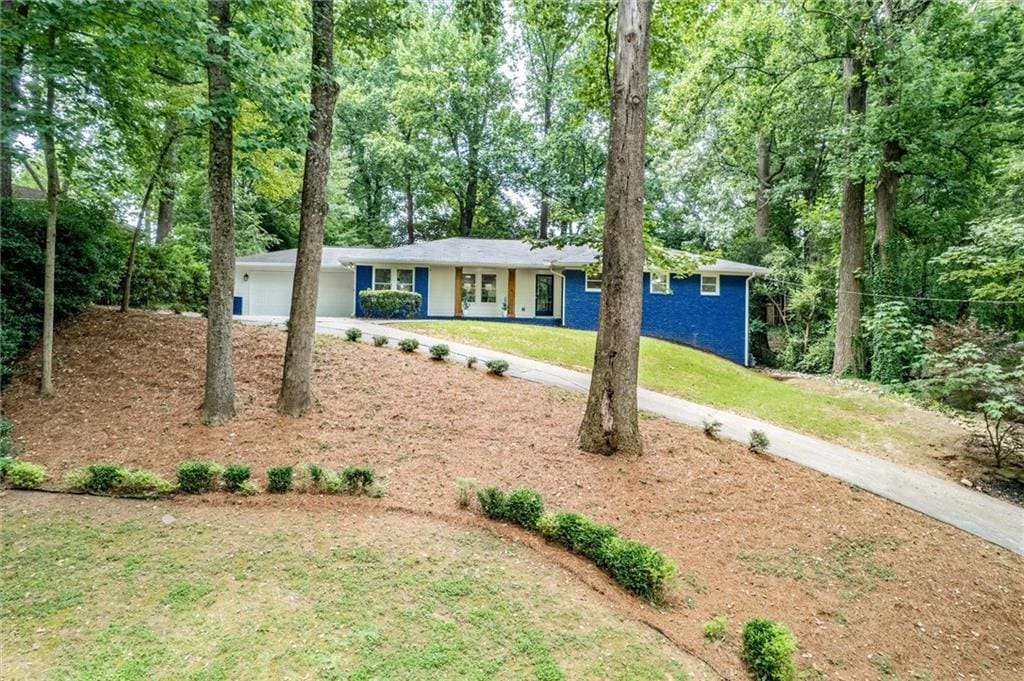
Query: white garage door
<point>270,293</point>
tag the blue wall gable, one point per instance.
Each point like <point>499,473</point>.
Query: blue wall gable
<point>364,280</point>
<point>717,324</point>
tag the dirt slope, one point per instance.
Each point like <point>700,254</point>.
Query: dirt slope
<point>871,590</point>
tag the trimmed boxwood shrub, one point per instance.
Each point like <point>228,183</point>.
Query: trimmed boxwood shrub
<point>768,648</point>
<point>380,341</point>
<point>408,344</point>
<point>353,334</point>
<point>279,479</point>
<point>497,366</point>
<point>758,441</point>
<point>524,506</point>
<point>439,351</point>
<point>234,475</point>
<point>357,479</point>
<point>389,304</point>
<point>102,478</point>
<point>24,475</point>
<point>196,477</point>
<point>640,568</point>
<point>577,533</point>
<point>492,502</point>
<point>140,482</point>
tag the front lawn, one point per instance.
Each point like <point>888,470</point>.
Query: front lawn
<point>838,412</point>
<point>105,589</point>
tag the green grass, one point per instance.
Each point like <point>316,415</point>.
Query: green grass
<point>853,419</point>
<point>394,598</point>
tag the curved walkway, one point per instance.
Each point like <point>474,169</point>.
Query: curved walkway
<point>992,519</point>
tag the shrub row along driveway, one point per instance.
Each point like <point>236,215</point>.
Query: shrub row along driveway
<point>991,519</point>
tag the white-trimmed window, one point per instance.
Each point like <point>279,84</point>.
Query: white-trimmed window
<point>661,282</point>
<point>488,288</point>
<point>709,284</point>
<point>468,288</point>
<point>593,282</point>
<point>393,279</point>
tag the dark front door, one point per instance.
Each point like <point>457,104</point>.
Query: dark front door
<point>545,303</point>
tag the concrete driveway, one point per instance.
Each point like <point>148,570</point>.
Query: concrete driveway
<point>992,519</point>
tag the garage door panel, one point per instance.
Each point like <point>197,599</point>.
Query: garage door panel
<point>270,293</point>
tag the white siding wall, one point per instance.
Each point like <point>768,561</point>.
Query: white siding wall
<point>526,293</point>
<point>269,292</point>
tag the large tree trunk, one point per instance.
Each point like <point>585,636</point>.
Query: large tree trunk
<point>13,57</point>
<point>296,391</point>
<point>410,211</point>
<point>468,211</point>
<point>168,187</point>
<point>545,201</point>
<point>610,424</point>
<point>851,247</point>
<point>126,290</point>
<point>885,197</point>
<point>52,185</point>
<point>219,398</point>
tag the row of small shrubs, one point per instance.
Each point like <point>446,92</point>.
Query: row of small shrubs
<point>759,442</point>
<point>21,474</point>
<point>637,567</point>
<point>117,480</point>
<point>439,351</point>
<point>196,477</point>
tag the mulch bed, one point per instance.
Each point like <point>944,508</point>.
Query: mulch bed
<point>865,584</point>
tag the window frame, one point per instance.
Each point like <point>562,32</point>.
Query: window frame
<point>718,284</point>
<point>482,287</point>
<point>667,282</point>
<point>587,279</point>
<point>474,288</point>
<point>392,280</point>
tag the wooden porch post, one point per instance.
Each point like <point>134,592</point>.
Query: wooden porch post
<point>512,292</point>
<point>458,291</point>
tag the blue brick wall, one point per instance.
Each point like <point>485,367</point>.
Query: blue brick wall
<point>713,323</point>
<point>422,286</point>
<point>364,280</point>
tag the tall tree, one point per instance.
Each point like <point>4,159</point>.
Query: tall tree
<point>11,14</point>
<point>219,399</point>
<point>296,390</point>
<point>52,188</point>
<point>610,424</point>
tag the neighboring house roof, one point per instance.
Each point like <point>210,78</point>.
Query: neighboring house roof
<point>472,252</point>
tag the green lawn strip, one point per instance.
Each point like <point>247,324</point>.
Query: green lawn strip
<point>140,600</point>
<point>693,375</point>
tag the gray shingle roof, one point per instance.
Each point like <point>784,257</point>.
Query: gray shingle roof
<point>471,252</point>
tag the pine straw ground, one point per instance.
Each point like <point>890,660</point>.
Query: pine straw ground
<point>871,589</point>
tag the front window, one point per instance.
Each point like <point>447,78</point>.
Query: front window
<point>488,288</point>
<point>403,280</point>
<point>593,282</point>
<point>660,283</point>
<point>381,280</point>
<point>709,284</point>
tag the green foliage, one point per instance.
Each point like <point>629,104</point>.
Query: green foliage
<point>524,506</point>
<point>89,250</point>
<point>471,361</point>
<point>898,346</point>
<point>137,482</point>
<point>768,648</point>
<point>168,274</point>
<point>248,489</point>
<point>758,441</point>
<point>24,475</point>
<point>408,344</point>
<point>380,341</point>
<point>234,475</point>
<point>712,428</point>
<point>641,569</point>
<point>439,351</point>
<point>5,437</point>
<point>316,473</point>
<point>965,378</point>
<point>464,489</point>
<point>716,629</point>
<point>578,533</point>
<point>389,304</point>
<point>492,502</point>
<point>279,479</point>
<point>196,477</point>
<point>353,334</point>
<point>357,479</point>
<point>102,478</point>
<point>497,367</point>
